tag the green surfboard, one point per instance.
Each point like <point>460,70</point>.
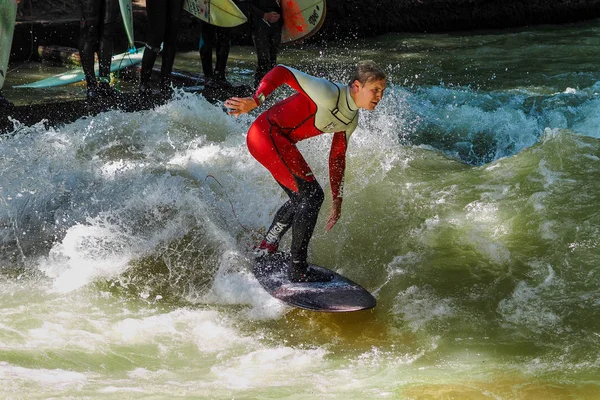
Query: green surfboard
<point>127,13</point>
<point>119,62</point>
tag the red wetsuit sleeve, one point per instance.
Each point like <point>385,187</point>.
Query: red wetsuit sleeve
<point>337,164</point>
<point>272,80</point>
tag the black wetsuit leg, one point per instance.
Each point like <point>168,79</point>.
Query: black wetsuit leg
<point>283,219</point>
<point>218,38</point>
<point>311,198</point>
<point>88,38</point>
<point>267,39</point>
<point>109,25</point>
<point>222,50</point>
<point>97,28</point>
<point>300,213</point>
<point>174,9</point>
<point>207,43</point>
<point>163,18</point>
<point>155,10</point>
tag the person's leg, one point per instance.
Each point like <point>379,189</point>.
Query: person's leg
<point>282,222</point>
<point>274,43</point>
<point>311,197</point>
<point>223,45</point>
<point>260,37</point>
<point>285,162</point>
<point>107,32</point>
<point>207,43</point>
<point>174,9</point>
<point>300,212</point>
<point>88,41</point>
<point>155,9</point>
<point>261,146</point>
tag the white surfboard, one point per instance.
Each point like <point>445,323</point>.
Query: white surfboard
<point>301,19</point>
<point>119,62</point>
<point>222,13</point>
<point>8,13</point>
<point>127,14</point>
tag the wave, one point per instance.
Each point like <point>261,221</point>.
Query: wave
<point>127,202</point>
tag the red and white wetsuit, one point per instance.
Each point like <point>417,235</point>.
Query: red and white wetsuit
<point>319,106</point>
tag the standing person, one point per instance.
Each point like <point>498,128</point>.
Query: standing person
<point>319,106</point>
<point>267,23</point>
<point>99,20</point>
<point>8,11</point>
<point>163,24</point>
<point>216,37</point>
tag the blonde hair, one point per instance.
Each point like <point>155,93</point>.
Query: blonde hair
<point>367,71</point>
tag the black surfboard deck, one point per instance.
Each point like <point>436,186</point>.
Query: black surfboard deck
<point>339,294</point>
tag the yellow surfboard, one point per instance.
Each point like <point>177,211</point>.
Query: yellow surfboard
<point>8,13</point>
<point>301,19</point>
<point>222,13</point>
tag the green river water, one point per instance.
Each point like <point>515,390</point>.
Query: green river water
<point>470,212</point>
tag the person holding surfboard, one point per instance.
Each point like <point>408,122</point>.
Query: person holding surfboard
<point>267,24</point>
<point>319,106</point>
<point>163,22</point>
<point>99,20</point>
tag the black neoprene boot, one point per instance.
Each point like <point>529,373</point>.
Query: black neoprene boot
<point>302,272</point>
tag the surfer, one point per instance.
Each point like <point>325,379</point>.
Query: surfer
<point>216,37</point>
<point>267,24</point>
<point>99,20</point>
<point>163,23</point>
<point>319,106</point>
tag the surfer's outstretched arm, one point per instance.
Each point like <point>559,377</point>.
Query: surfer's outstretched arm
<point>243,105</point>
<point>308,85</point>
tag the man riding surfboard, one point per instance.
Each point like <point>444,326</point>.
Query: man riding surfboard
<point>319,106</point>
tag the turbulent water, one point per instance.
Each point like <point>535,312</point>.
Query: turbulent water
<point>471,213</point>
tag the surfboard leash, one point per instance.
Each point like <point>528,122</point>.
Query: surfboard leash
<point>117,74</point>
<point>230,202</point>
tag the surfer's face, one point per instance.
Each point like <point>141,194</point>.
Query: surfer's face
<point>367,96</point>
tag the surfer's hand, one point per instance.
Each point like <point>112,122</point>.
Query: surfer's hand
<point>334,215</point>
<point>240,105</point>
<point>271,17</point>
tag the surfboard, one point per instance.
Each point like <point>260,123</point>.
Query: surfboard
<point>339,294</point>
<point>224,13</point>
<point>127,13</point>
<point>8,13</point>
<point>119,62</point>
<point>301,19</point>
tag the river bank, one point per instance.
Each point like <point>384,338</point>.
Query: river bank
<point>53,22</point>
